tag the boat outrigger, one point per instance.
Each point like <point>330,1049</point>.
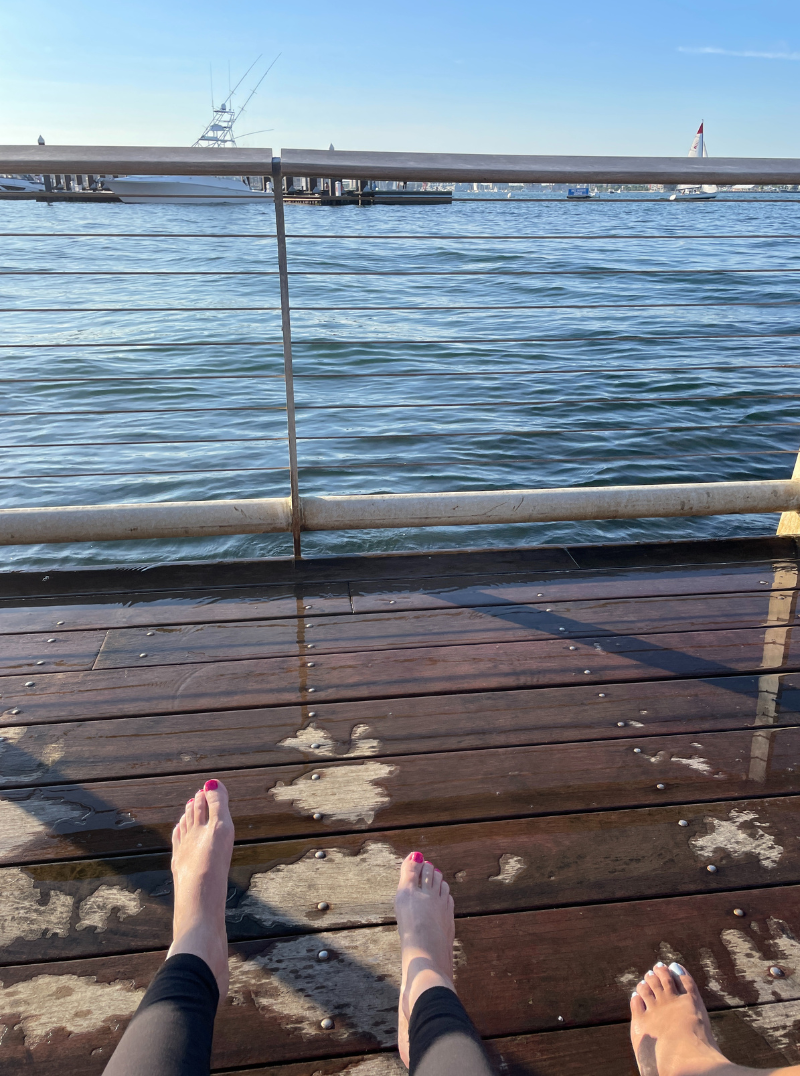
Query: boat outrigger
<point>205,190</point>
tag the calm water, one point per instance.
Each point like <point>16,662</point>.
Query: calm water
<point>592,388</point>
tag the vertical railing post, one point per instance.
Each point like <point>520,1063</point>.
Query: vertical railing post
<point>789,522</point>
<point>286,330</point>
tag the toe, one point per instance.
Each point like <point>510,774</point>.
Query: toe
<point>200,808</point>
<point>217,799</point>
<point>426,878</point>
<point>646,994</point>
<point>684,983</point>
<point>666,979</point>
<point>445,890</point>
<point>450,905</point>
<point>188,814</point>
<point>638,1007</point>
<point>436,884</point>
<point>654,983</point>
<point>176,836</point>
<point>410,869</point>
<point>183,824</point>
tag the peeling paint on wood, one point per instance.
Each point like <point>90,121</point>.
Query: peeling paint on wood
<point>346,794</point>
<point>95,910</point>
<point>357,987</point>
<point>25,820</point>
<point>358,888</point>
<point>22,913</point>
<point>732,837</point>
<point>73,1002</point>
<point>318,741</point>
<point>509,866</point>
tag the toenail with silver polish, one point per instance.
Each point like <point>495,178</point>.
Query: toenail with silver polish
<point>323,905</point>
<point>739,912</point>
<point>322,954</point>
<point>776,972</point>
<point>711,868</point>
<point>661,964</point>
<point>676,969</point>
<point>326,1024</point>
<point>319,855</point>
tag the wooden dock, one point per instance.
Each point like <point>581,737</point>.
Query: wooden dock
<point>598,745</point>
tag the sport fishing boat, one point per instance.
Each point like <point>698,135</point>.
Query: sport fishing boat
<point>693,192</point>
<point>20,184</point>
<point>203,190</point>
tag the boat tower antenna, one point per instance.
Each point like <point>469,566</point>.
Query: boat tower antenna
<point>219,132</point>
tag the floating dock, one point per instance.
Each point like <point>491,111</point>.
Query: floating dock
<point>598,745</point>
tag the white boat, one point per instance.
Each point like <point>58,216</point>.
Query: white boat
<point>695,192</point>
<point>20,184</point>
<point>185,190</point>
<point>200,190</point>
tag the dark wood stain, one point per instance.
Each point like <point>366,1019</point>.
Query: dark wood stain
<point>442,709</point>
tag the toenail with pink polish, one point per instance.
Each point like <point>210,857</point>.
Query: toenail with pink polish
<point>211,786</point>
<point>417,857</point>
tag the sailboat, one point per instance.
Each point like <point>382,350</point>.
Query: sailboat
<point>202,190</point>
<point>693,192</point>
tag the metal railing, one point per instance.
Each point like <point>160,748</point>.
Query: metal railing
<point>298,511</point>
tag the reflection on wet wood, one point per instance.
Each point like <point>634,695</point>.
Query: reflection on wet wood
<point>93,907</point>
<point>121,747</point>
<point>165,607</point>
<point>497,624</point>
<point>280,992</point>
<point>68,821</point>
<point>425,671</point>
<point>434,593</point>
<point>47,653</point>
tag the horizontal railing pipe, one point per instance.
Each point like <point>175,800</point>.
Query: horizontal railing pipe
<point>437,167</point>
<point>268,515</point>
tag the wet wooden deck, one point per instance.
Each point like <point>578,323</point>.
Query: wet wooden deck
<point>575,735</point>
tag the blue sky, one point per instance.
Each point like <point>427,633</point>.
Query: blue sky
<point>518,77</point>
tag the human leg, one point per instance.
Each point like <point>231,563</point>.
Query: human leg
<point>435,1035</point>
<point>170,1033</point>
<point>671,1033</point>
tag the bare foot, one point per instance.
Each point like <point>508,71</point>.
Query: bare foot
<point>202,843</point>
<point>424,910</point>
<point>670,1030</point>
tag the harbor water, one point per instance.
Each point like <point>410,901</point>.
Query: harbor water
<point>496,343</point>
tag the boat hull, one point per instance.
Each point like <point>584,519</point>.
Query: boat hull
<point>184,190</point>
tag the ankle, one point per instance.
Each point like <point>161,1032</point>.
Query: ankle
<point>426,979</point>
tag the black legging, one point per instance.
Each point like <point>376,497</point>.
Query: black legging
<point>170,1033</point>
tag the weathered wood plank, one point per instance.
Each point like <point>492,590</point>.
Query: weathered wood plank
<point>495,624</point>
<point>287,571</point>
<point>510,972</point>
<point>175,607</point>
<point>387,674</point>
<point>148,746</point>
<point>45,653</point>
<point>116,817</point>
<point>601,1051</point>
<point>95,907</point>
<point>468,592</point>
